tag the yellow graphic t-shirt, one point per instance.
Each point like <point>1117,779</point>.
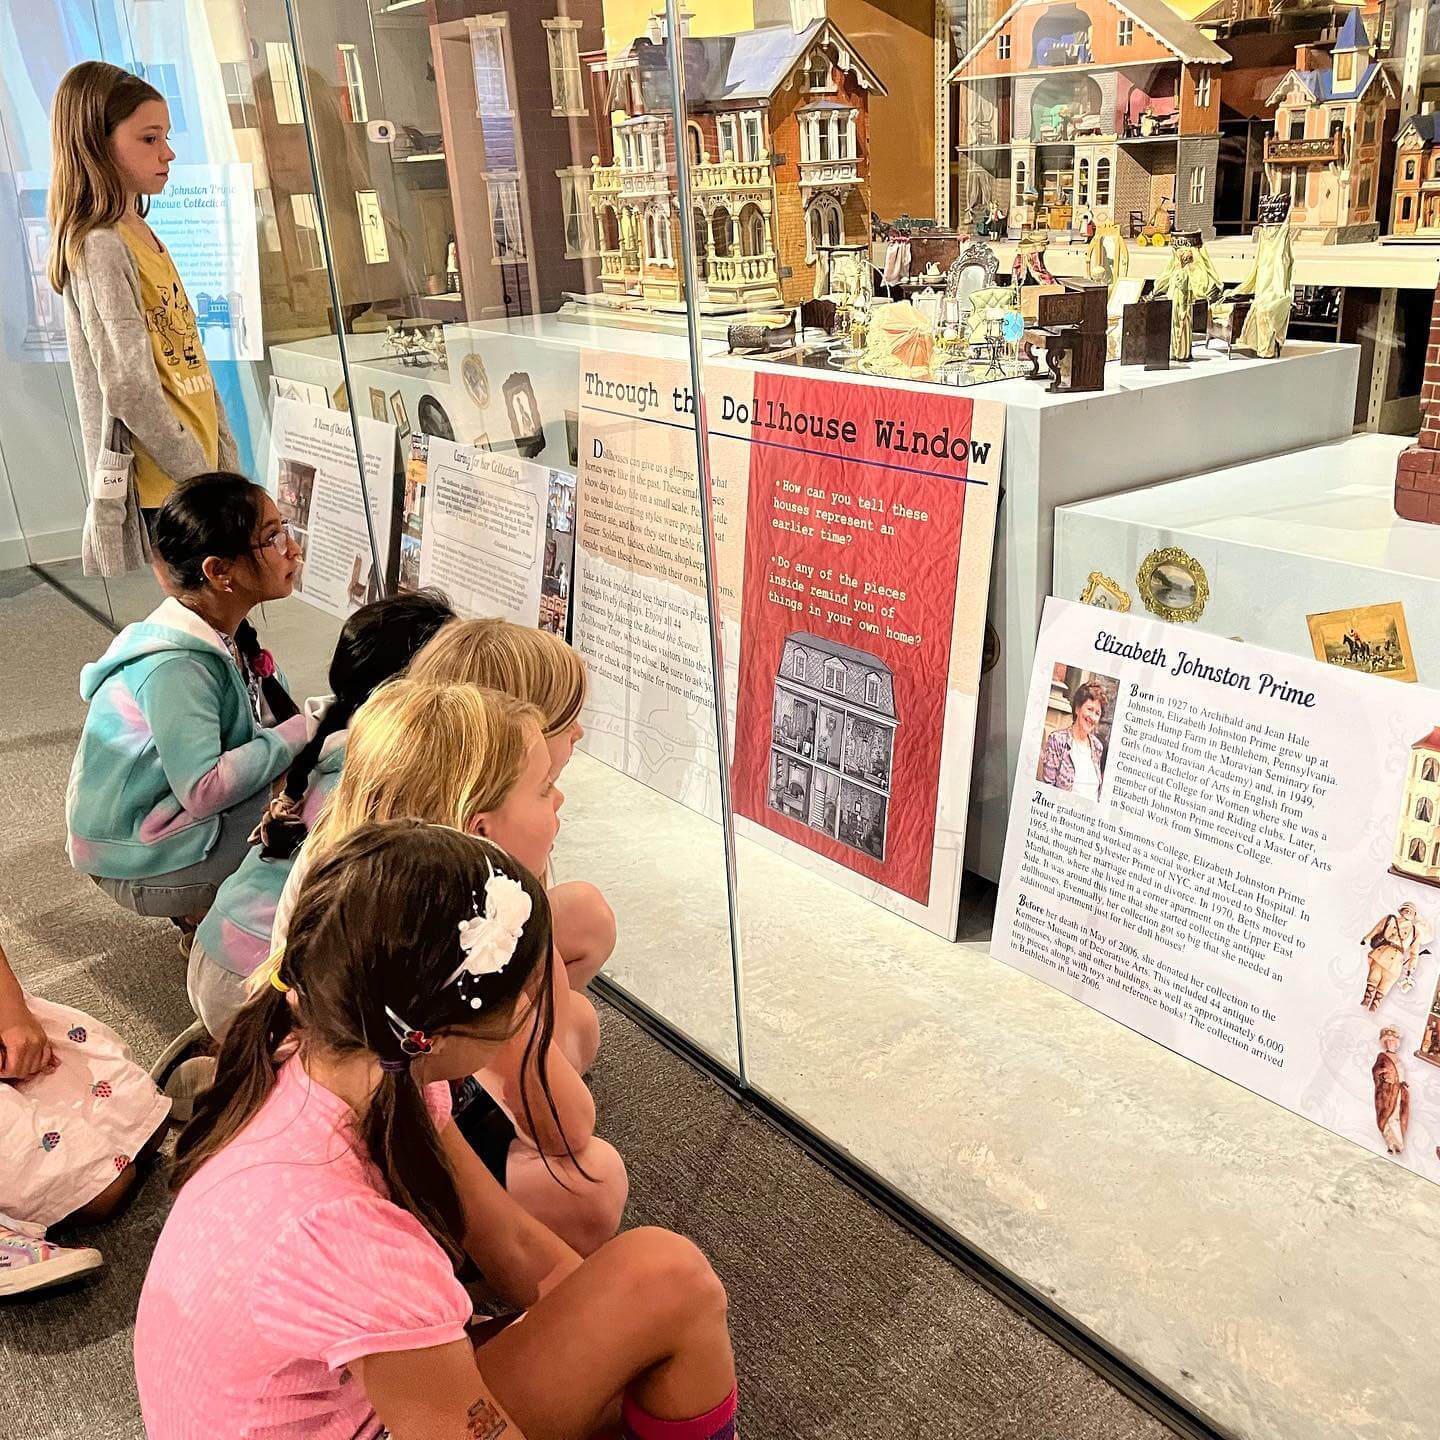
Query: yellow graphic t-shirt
<point>179,359</point>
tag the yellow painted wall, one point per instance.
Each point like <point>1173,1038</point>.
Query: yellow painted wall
<point>625,19</point>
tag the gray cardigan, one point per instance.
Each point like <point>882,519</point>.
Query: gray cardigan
<point>113,367</point>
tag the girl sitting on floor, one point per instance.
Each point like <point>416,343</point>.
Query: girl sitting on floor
<point>189,721</point>
<point>541,668</point>
<point>304,1281</point>
<point>477,760</point>
<point>78,1119</point>
<point>376,643</point>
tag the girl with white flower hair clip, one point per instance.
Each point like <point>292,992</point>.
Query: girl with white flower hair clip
<point>305,1279</point>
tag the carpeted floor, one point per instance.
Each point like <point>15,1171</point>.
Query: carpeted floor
<point>845,1327</point>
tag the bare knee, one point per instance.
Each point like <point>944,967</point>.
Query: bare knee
<point>584,1209</point>
<point>585,923</point>
<point>666,1270</point>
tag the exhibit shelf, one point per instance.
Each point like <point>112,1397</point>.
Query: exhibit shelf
<point>1279,540</point>
<point>1367,266</point>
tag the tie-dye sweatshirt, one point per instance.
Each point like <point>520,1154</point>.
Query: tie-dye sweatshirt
<point>169,745</point>
<point>236,932</point>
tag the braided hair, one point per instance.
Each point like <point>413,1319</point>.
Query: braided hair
<point>375,645</point>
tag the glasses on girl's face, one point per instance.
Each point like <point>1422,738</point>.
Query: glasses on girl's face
<point>280,542</point>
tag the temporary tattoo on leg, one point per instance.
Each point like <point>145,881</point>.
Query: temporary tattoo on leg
<point>484,1421</point>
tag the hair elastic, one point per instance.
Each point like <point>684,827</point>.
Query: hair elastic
<point>277,982</point>
<point>396,1067</point>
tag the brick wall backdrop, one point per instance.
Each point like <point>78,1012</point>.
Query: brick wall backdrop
<point>1417,476</point>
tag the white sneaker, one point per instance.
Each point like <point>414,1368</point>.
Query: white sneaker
<point>187,1080</point>
<point>32,1264</point>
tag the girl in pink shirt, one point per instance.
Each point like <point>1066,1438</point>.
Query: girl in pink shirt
<point>304,1283</point>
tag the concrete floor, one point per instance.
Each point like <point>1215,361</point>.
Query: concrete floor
<point>1271,1274</point>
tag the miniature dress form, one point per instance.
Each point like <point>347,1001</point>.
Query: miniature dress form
<point>1189,277</point>
<point>1270,280</point>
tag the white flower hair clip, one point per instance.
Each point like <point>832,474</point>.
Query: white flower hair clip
<point>489,937</point>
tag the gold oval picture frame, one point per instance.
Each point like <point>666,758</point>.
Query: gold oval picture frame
<point>1173,585</point>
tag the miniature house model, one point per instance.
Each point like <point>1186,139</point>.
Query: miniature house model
<point>776,139</point>
<point>1416,206</point>
<point>1417,837</point>
<point>1105,106</point>
<point>832,742</point>
<point>1329,132</point>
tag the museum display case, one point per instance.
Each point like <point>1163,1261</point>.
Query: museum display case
<point>789,357</point>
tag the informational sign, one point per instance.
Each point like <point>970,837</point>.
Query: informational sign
<point>483,538</point>
<point>866,533</point>
<point>206,217</point>
<point>640,615</point>
<point>853,526</point>
<point>1237,853</point>
<point>313,476</point>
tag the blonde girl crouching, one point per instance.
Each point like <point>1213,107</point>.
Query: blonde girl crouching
<point>540,668</point>
<point>477,760</point>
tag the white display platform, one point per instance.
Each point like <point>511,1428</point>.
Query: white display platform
<point>1278,540</point>
<point>1141,429</point>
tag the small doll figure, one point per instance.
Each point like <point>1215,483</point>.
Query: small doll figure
<point>1392,1094</point>
<point>1394,942</point>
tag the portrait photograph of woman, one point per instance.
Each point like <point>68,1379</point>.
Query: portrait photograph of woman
<point>1077,733</point>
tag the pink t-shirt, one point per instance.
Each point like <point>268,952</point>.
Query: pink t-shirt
<point>280,1263</point>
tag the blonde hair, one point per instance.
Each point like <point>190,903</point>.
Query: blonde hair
<point>426,751</point>
<point>531,664</point>
<point>87,191</point>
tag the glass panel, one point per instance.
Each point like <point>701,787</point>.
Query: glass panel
<point>484,234</point>
<point>37,414</point>
<point>893,213</point>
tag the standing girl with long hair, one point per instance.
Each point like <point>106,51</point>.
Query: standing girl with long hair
<point>189,719</point>
<point>477,759</point>
<point>304,1281</point>
<point>135,351</point>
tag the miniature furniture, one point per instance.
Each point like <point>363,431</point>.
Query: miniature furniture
<point>1072,330</point>
<point>1145,334</point>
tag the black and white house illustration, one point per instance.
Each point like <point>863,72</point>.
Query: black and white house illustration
<point>832,740</point>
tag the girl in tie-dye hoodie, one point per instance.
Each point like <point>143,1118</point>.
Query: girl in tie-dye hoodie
<point>189,721</point>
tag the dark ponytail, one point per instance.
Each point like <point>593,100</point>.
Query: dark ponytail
<point>244,1077</point>
<point>375,935</point>
<point>216,516</point>
<point>376,644</point>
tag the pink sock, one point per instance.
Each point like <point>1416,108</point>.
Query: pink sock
<point>718,1424</point>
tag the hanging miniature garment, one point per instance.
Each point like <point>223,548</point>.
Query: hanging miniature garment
<point>1270,281</point>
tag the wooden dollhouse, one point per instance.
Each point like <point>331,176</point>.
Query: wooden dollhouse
<point>1331,112</point>
<point>777,143</point>
<point>1417,835</point>
<point>1415,208</point>
<point>1105,108</point>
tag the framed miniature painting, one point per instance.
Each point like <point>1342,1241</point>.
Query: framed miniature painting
<point>1173,585</point>
<point>1104,593</point>
<point>1372,638</point>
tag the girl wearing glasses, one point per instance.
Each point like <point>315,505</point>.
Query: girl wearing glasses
<point>189,719</point>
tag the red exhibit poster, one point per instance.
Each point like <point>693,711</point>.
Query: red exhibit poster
<point>869,519</point>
